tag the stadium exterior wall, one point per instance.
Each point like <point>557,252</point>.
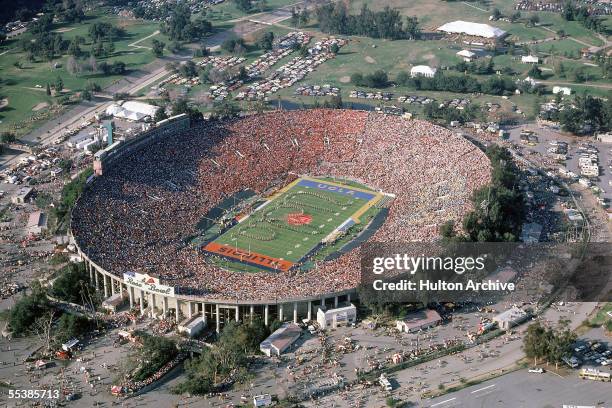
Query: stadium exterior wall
<point>187,305</point>
<point>290,309</point>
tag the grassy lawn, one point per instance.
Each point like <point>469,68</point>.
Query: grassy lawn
<point>20,84</point>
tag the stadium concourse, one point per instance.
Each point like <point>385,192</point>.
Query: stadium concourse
<point>133,224</point>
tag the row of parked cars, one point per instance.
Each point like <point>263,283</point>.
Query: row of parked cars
<point>590,352</point>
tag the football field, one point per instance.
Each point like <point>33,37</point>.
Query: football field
<point>293,222</point>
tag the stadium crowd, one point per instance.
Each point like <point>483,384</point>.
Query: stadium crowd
<point>141,215</point>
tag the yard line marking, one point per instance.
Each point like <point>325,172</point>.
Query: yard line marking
<point>443,402</point>
<point>482,389</point>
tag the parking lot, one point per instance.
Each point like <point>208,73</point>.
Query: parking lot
<point>522,389</point>
<point>547,136</point>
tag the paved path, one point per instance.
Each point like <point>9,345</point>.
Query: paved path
<point>134,44</point>
<point>476,7</point>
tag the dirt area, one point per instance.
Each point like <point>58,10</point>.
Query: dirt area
<point>64,29</point>
<point>370,60</point>
<point>345,79</point>
<point>40,106</point>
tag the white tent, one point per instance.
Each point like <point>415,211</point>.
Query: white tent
<point>422,70</point>
<point>132,110</point>
<point>113,110</point>
<point>475,29</point>
<point>140,107</point>
<point>530,59</point>
<point>467,55</point>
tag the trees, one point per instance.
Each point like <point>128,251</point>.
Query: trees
<point>403,78</point>
<point>412,28</point>
<point>499,212</point>
<point>587,114</point>
<point>7,137</point>
<point>155,352</point>
<point>387,23</point>
<point>266,40</point>
<point>550,344</point>
<point>157,48</point>
<point>70,326</point>
<point>104,32</point>
<point>377,79</point>
<point>228,354</point>
<point>59,84</point>
<point>180,27</point>
<point>160,115</point>
<point>535,72</point>
<point>188,69</point>
<point>230,44</point>
<point>225,110</point>
<point>115,68</point>
<point>243,5</point>
<point>533,20</point>
<point>27,309</point>
<point>72,285</point>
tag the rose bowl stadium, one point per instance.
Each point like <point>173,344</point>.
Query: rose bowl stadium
<point>263,216</point>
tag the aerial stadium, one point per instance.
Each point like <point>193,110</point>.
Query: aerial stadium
<point>264,215</point>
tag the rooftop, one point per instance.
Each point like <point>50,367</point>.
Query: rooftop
<point>475,29</point>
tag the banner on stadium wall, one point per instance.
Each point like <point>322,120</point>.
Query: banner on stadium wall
<point>147,283</point>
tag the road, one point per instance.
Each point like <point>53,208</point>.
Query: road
<point>522,389</point>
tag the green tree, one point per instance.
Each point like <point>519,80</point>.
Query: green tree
<point>266,40</point>
<point>27,309</point>
<point>59,84</point>
<point>73,285</point>
<point>70,326</point>
<point>7,137</point>
<point>158,48</point>
<point>225,110</point>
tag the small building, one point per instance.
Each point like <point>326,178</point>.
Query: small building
<point>510,318</point>
<point>530,59</point>
<point>70,344</point>
<point>192,327</point>
<point>422,70</point>
<point>263,400</point>
<point>113,302</point>
<point>280,340</point>
<point>22,195</point>
<point>563,90</point>
<point>332,318</point>
<point>421,320</point>
<point>37,223</point>
<point>467,55</point>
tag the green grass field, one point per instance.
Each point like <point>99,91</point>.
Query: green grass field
<point>294,222</point>
<point>24,86</point>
